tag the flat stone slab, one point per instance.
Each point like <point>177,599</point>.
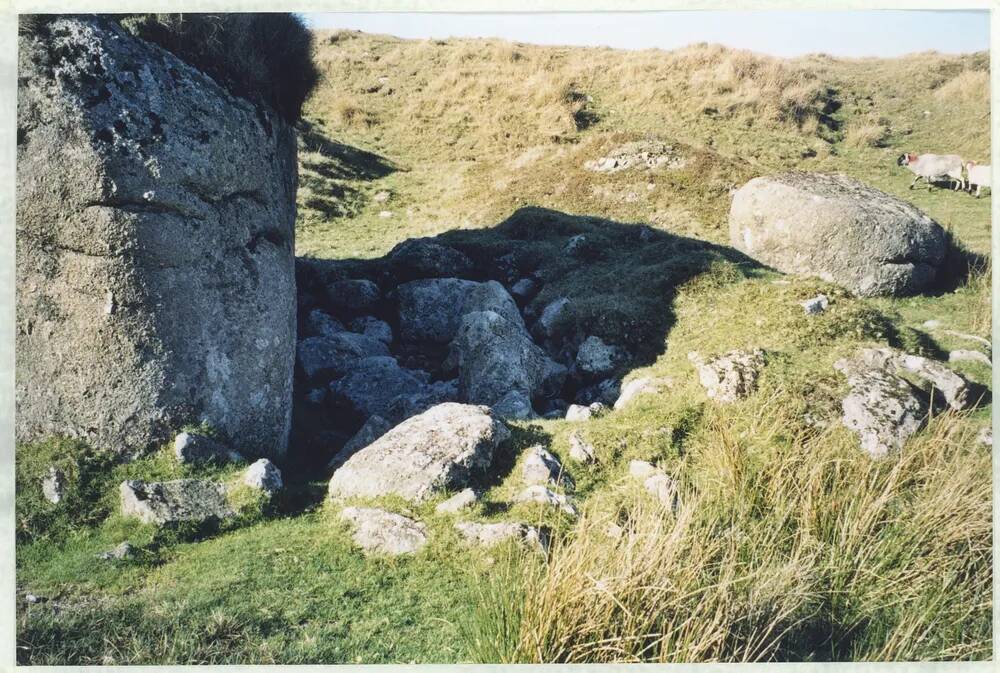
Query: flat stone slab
<point>174,501</point>
<point>380,532</point>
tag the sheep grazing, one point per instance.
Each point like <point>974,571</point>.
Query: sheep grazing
<point>978,176</point>
<point>933,167</point>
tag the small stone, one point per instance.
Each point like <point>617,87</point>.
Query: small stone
<point>381,197</point>
<point>122,552</point>
<point>380,532</point>
<point>524,289</point>
<point>190,447</point>
<point>596,358</point>
<point>385,214</point>
<point>514,405</point>
<point>640,386</point>
<point>985,436</point>
<point>489,534</point>
<point>575,244</point>
<point>963,355</point>
<point>578,412</point>
<point>316,396</point>
<point>54,485</point>
<point>817,304</point>
<point>580,450</point>
<point>541,467</point>
<point>551,314</point>
<point>932,324</point>
<point>263,475</point>
<point>461,500</point>
<point>546,496</point>
<point>729,377</point>
<point>32,598</point>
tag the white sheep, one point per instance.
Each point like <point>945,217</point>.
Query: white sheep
<point>980,176</point>
<point>932,167</point>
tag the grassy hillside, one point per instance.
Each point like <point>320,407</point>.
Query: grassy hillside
<point>790,543</point>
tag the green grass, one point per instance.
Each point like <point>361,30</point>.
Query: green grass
<point>791,544</point>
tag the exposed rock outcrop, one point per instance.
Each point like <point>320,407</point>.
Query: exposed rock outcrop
<point>174,501</point>
<point>155,230</point>
<point>838,229</point>
<point>380,532</point>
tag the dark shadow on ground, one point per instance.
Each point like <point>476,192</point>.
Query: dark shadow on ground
<point>620,279</point>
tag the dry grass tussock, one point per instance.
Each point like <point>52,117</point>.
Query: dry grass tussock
<point>967,86</point>
<point>783,547</point>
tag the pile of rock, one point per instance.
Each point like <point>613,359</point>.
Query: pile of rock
<point>642,154</point>
<point>383,341</point>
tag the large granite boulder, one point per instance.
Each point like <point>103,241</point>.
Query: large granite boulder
<point>494,356</point>
<point>838,229</point>
<point>379,386</point>
<point>155,235</point>
<point>334,355</point>
<point>438,450</point>
<point>432,309</point>
<point>424,258</point>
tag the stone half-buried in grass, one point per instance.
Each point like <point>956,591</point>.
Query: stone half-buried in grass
<point>729,377</point>
<point>380,532</point>
<point>439,449</point>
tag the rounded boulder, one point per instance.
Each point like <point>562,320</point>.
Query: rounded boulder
<point>838,229</point>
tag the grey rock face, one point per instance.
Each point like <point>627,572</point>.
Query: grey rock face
<point>194,448</point>
<point>463,499</point>
<point>640,469</point>
<point>664,489</point>
<point>320,323</point>
<point>838,229</point>
<point>437,450</point>
<point>432,310</point>
<point>985,436</point>
<point>372,327</point>
<point>640,386</point>
<point>336,355</point>
<point>495,356</point>
<point>423,258</point>
<point>380,532</point>
<point>379,386</point>
<point>597,358</point>
<point>541,467</point>
<point>524,289</point>
<point>578,412</point>
<point>881,408</point>
<point>54,485</point>
<point>514,404</point>
<point>729,377</point>
<point>489,534</point>
<point>174,501</point>
<point>155,231</point>
<point>263,475</point>
<point>353,296</point>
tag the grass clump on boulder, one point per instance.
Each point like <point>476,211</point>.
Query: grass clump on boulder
<point>265,57</point>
